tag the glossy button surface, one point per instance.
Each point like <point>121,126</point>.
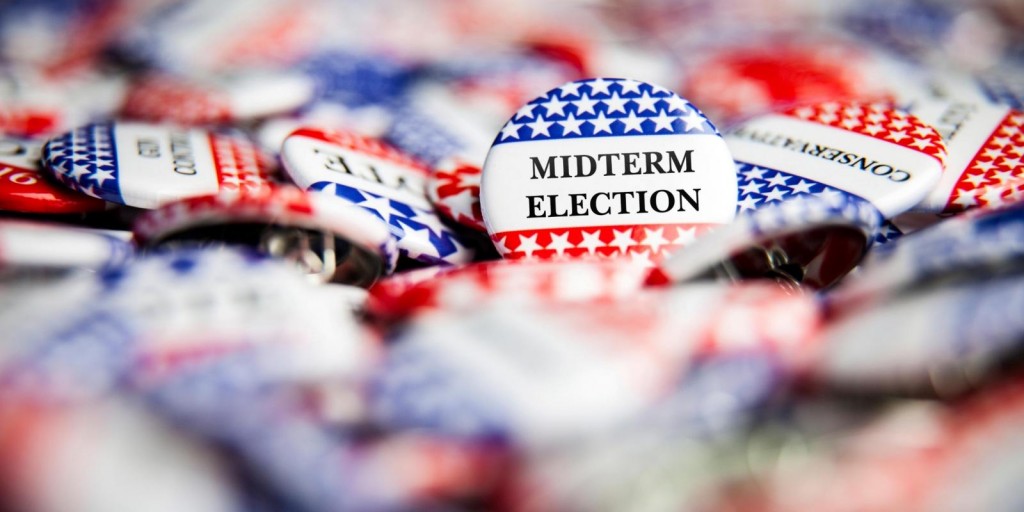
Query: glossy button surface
<point>605,168</point>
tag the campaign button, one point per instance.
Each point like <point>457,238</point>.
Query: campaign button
<point>146,165</point>
<point>24,189</point>
<point>986,144</point>
<point>332,241</point>
<point>39,245</point>
<point>870,151</point>
<point>237,97</point>
<point>380,179</point>
<point>605,168</point>
<point>808,241</point>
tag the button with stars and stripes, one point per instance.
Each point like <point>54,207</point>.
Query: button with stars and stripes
<point>380,179</point>
<point>146,165</point>
<point>331,241</point>
<point>605,168</point>
<point>869,151</point>
<point>24,189</point>
<point>986,148</point>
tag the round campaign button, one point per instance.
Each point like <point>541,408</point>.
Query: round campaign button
<point>145,165</point>
<point>237,97</point>
<point>331,240</point>
<point>24,189</point>
<point>605,168</point>
<point>380,179</point>
<point>986,149</point>
<point>868,150</point>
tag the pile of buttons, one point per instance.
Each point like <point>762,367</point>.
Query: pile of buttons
<point>316,255</point>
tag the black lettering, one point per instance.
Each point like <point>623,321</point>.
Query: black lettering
<point>905,174</point>
<point>641,201</point>
<point>694,200</point>
<point>676,165</point>
<point>652,163</point>
<point>593,204</point>
<point>578,209</point>
<point>608,162</point>
<point>548,168</point>
<point>553,204</point>
<point>534,206</point>
<point>630,159</point>
<point>654,201</point>
<point>579,166</point>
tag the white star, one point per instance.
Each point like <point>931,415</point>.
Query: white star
<point>805,112</point>
<point>983,166</point>
<point>528,245</point>
<point>599,86</point>
<point>676,103</point>
<point>876,117</point>
<point>623,239</point>
<point>630,86</point>
<point>779,180</point>
<point>615,104</point>
<point>685,236</point>
<point>641,259</point>
<point>751,188</point>
<point>1011,162</point>
<point>1001,141</point>
<point>77,171</point>
<point>101,175</point>
<point>585,104</point>
<point>828,118</point>
<point>802,187</point>
<point>748,203</point>
<point>853,111</point>
<point>974,179</point>
<point>755,173</point>
<point>559,243</point>
<point>965,198</point>
<point>381,205</point>
<point>897,136</point>
<point>921,144</point>
<point>900,124</point>
<point>992,196</point>
<point>538,126</point>
<point>663,122</point>
<point>923,131</point>
<point>654,238</point>
<point>554,107</point>
<point>873,129</point>
<point>632,123</point>
<point>774,194</point>
<point>850,123</point>
<point>510,130</point>
<point>1003,176</point>
<point>645,103</point>
<point>993,153</point>
<point>832,197</point>
<point>693,120</point>
<point>416,243</point>
<point>571,125</point>
<point>525,111</point>
<point>570,89</point>
<point>591,241</point>
<point>601,124</point>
